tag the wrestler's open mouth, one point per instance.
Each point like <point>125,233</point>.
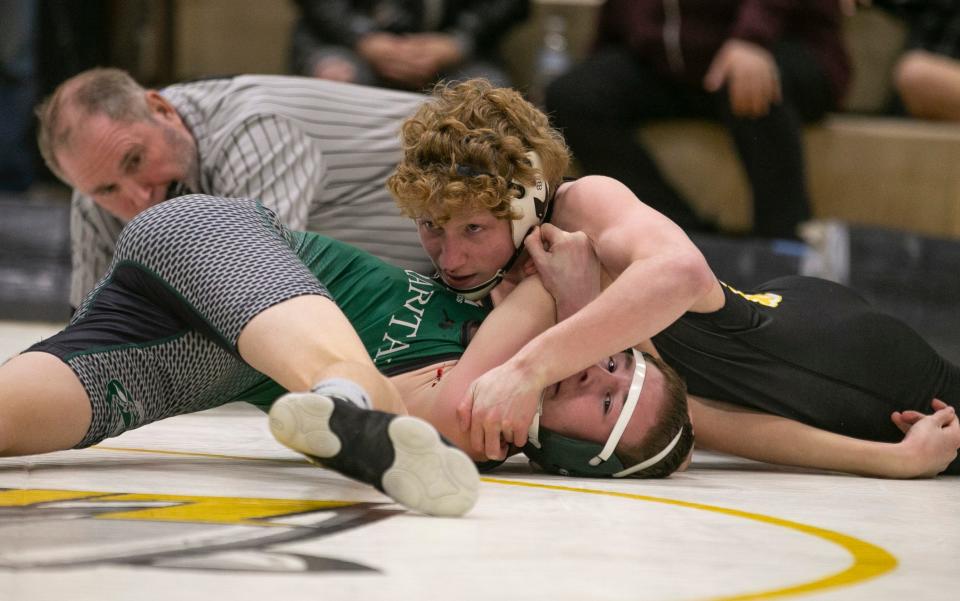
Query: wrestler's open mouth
<point>458,279</point>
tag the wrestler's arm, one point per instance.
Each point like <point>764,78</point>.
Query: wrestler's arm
<point>269,159</point>
<point>659,274</point>
<point>524,313</point>
<point>929,446</point>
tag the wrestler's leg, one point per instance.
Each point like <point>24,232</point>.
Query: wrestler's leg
<point>228,269</point>
<point>234,275</point>
<point>306,343</point>
<point>306,340</point>
<point>43,406</point>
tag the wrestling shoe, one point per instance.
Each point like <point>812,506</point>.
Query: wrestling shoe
<point>402,456</point>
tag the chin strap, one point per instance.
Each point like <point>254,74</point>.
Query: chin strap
<point>481,290</point>
<point>475,293</point>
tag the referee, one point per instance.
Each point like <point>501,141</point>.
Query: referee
<point>315,152</point>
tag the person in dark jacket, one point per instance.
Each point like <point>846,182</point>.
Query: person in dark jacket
<point>404,44</point>
<point>761,67</point>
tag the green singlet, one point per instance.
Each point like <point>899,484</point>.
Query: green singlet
<point>405,320</point>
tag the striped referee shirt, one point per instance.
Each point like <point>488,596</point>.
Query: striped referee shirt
<point>316,152</point>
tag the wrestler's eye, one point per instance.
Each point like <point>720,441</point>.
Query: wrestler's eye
<point>473,228</point>
<point>427,224</point>
<point>606,403</point>
<point>611,365</point>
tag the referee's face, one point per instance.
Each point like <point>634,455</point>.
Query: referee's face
<point>128,167</point>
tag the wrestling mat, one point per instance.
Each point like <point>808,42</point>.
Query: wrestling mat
<point>209,506</point>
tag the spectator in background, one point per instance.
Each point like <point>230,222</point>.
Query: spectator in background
<point>761,67</point>
<point>405,44</point>
<point>927,76</point>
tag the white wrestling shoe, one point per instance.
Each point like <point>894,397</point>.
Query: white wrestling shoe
<point>402,456</point>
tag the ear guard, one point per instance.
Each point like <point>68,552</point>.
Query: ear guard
<point>530,203</point>
<point>559,454</point>
<point>567,456</point>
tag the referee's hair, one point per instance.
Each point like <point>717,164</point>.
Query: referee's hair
<point>106,91</point>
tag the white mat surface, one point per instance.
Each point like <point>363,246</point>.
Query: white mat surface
<point>208,506</point>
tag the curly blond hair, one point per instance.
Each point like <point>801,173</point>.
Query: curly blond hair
<point>486,132</point>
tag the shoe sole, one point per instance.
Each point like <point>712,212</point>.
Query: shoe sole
<point>426,475</point>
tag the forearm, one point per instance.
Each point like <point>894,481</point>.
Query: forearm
<point>773,439</point>
<point>647,297</point>
<point>523,314</point>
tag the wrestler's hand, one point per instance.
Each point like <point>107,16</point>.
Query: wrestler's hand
<point>931,441</point>
<point>568,267</point>
<point>498,409</point>
<point>906,419</point>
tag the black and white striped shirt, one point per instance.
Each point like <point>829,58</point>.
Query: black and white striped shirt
<point>318,153</point>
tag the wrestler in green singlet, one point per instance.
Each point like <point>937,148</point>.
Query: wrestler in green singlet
<point>405,319</point>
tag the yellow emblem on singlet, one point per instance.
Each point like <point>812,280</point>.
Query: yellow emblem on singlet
<point>767,299</point>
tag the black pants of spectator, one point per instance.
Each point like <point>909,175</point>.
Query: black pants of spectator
<point>600,103</point>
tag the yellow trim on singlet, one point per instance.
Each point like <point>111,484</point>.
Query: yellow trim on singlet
<point>767,299</point>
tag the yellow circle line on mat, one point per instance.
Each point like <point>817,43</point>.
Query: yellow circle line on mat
<point>869,561</point>
<point>195,454</point>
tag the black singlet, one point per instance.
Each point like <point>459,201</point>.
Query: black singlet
<point>813,351</point>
